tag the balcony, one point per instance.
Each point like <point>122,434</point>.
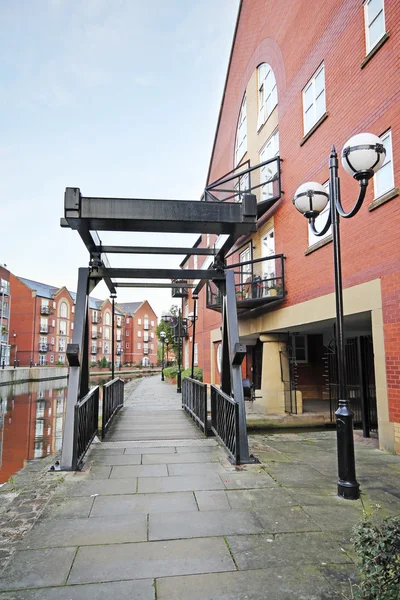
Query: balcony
<point>94,336</point>
<point>96,319</point>
<point>118,323</point>
<point>63,332</point>
<point>145,350</point>
<point>258,283</point>
<point>180,292</point>
<point>94,350</point>
<point>5,313</point>
<point>45,309</point>
<point>119,351</point>
<point>43,347</point>
<point>44,329</point>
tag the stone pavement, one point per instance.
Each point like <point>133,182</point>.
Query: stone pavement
<point>172,519</point>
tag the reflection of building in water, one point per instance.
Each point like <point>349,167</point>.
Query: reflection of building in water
<point>31,423</point>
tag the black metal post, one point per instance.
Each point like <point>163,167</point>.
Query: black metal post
<point>195,298</point>
<point>162,359</point>
<point>112,337</point>
<point>179,374</point>
<point>167,344</point>
<point>348,486</point>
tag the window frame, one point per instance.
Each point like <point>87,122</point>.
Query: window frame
<point>380,193</point>
<point>241,133</point>
<point>296,337</point>
<point>264,94</point>
<point>367,25</point>
<point>311,83</point>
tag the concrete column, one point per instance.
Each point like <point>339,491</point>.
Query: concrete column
<point>272,401</point>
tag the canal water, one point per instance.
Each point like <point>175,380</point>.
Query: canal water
<point>31,422</point>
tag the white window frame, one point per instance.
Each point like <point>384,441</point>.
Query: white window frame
<point>245,271</point>
<point>241,134</point>
<point>139,346</point>
<point>268,151</point>
<point>298,337</point>
<point>311,85</point>
<point>242,187</point>
<point>320,222</point>
<point>386,139</point>
<point>368,22</point>
<point>139,321</point>
<point>139,334</point>
<point>267,93</point>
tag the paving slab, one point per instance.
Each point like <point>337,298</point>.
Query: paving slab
<point>102,449</point>
<point>143,503</point>
<point>285,519</point>
<point>198,468</point>
<point>150,559</point>
<point>149,485</point>
<point>128,471</point>
<point>297,475</point>
<point>212,500</point>
<point>117,459</point>
<point>211,446</point>
<point>38,568</point>
<point>82,532</point>
<point>68,508</point>
<point>150,450</point>
<point>304,583</point>
<point>285,550</point>
<point>171,526</point>
<point>142,589</point>
<point>98,472</point>
<point>341,517</point>
<point>261,498</point>
<point>247,480</point>
<point>169,459</point>
<point>103,487</point>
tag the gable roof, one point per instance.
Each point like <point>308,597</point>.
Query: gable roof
<point>130,307</point>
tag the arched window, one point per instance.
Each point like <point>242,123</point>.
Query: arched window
<point>108,318</point>
<point>241,134</point>
<point>64,310</point>
<point>267,93</point>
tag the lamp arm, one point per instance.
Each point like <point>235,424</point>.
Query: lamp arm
<point>358,204</point>
<point>325,228</point>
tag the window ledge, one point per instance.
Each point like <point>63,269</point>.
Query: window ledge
<point>384,198</point>
<point>314,128</point>
<point>375,49</point>
<point>318,245</point>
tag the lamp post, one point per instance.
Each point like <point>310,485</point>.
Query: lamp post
<point>362,156</point>
<point>178,325</point>
<point>163,335</point>
<point>112,296</point>
<point>16,350</point>
<point>193,318</point>
<point>167,344</point>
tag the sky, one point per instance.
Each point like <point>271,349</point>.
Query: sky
<point>117,97</point>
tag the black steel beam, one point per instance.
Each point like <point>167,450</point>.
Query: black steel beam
<point>155,250</point>
<point>171,286</point>
<point>142,214</point>
<point>125,273</point>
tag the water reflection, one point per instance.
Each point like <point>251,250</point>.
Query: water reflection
<point>31,422</point>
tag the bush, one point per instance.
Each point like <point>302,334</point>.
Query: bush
<point>102,363</point>
<point>197,373</point>
<point>377,545</point>
<point>170,372</point>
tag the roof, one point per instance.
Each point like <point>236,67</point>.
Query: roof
<point>130,307</point>
<point>48,291</point>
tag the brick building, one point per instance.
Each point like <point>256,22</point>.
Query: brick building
<point>5,305</point>
<point>42,322</point>
<point>140,341</point>
<point>302,77</point>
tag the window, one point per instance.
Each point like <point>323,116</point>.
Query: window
<point>139,346</point>
<point>152,323</point>
<point>139,321</point>
<point>127,345</point>
<point>106,347</point>
<point>145,336</point>
<point>107,318</point>
<point>128,321</point>
<point>52,358</point>
<point>63,310</point>
<point>267,93</point>
<point>146,323</point>
<point>63,328</point>
<point>145,348</point>
<point>61,358</point>
<point>196,354</point>
<point>320,222</point>
<point>152,335</point>
<point>73,309</point>
<point>374,17</point>
<point>384,178</point>
<point>127,333</point>
<point>44,325</point>
<point>314,99</point>
<point>61,345</point>
<point>299,345</point>
<point>95,317</point>
<point>107,335</point>
<point>208,240</point>
<point>195,261</point>
<point>139,334</point>
<point>245,270</point>
<point>219,357</point>
<point>270,171</point>
<point>241,134</point>
<point>242,187</point>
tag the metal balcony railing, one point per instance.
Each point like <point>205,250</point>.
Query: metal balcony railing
<point>43,347</point>
<point>118,324</point>
<point>94,336</point>
<point>258,283</point>
<point>44,329</point>
<point>119,351</point>
<point>94,350</point>
<point>96,320</point>
<point>145,350</point>
<point>263,180</point>
<point>5,313</point>
<point>45,309</point>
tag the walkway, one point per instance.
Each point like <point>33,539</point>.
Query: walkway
<point>155,519</point>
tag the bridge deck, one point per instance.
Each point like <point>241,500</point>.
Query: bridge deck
<point>152,412</point>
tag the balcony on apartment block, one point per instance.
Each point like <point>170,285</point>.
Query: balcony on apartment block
<point>96,319</point>
<point>119,351</point>
<point>118,323</point>
<point>4,312</point>
<point>43,347</point>
<point>45,309</point>
<point>258,283</point>
<point>94,350</point>
<point>44,329</point>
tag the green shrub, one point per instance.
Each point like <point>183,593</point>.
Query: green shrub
<point>102,363</point>
<point>377,545</point>
<point>197,373</point>
<point>170,372</point>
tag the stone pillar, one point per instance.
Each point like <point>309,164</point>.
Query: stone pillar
<point>272,401</point>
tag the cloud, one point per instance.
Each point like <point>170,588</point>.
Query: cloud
<point>144,80</point>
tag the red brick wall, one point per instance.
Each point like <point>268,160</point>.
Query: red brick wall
<point>294,37</point>
<point>22,319</point>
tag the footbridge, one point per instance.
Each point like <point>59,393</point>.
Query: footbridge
<point>90,215</point>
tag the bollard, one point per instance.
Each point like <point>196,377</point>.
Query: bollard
<point>15,363</point>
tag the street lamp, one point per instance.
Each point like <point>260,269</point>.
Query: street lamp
<point>167,344</point>
<point>163,335</point>
<point>179,326</point>
<point>192,318</point>
<point>362,156</point>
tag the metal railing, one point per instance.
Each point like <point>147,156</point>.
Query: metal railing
<point>113,400</point>
<point>44,309</point>
<point>43,347</point>
<point>43,329</point>
<point>194,401</point>
<point>85,424</point>
<point>225,421</point>
<point>258,282</point>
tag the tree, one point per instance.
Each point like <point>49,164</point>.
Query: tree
<point>169,329</point>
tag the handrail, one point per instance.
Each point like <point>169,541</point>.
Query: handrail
<point>113,400</point>
<point>225,422</point>
<point>85,425</point>
<point>194,401</point>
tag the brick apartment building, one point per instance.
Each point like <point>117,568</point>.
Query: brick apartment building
<point>140,343</point>
<point>302,77</point>
<point>5,305</point>
<point>42,322</point>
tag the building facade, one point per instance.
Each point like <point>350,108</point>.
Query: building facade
<point>302,78</point>
<point>5,308</point>
<point>140,340</point>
